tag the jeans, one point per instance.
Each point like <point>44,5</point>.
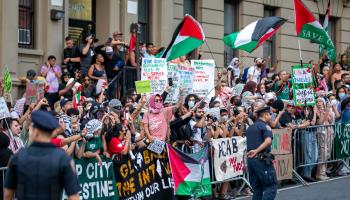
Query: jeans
<point>309,151</point>
<point>262,178</point>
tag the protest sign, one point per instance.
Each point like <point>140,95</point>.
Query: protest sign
<point>203,81</point>
<point>342,140</point>
<point>7,81</point>
<point>186,75</point>
<point>34,92</point>
<point>156,146</point>
<point>155,70</point>
<point>173,94</point>
<point>281,143</point>
<point>146,177</point>
<point>4,111</point>
<point>228,157</point>
<point>143,87</point>
<point>283,165</point>
<point>303,89</point>
<point>97,182</point>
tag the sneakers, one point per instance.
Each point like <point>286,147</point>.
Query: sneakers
<point>322,178</point>
<point>225,197</point>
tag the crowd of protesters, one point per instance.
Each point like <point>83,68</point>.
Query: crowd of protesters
<point>112,119</point>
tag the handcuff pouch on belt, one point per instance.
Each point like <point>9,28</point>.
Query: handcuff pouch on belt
<point>267,157</point>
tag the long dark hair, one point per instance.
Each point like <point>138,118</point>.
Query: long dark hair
<point>113,132</point>
<point>249,86</point>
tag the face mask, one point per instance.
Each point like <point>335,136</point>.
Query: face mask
<point>143,50</point>
<point>224,118</point>
<point>259,65</point>
<point>334,102</point>
<point>191,104</point>
<point>342,96</point>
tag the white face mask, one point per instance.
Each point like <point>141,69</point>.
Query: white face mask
<point>191,104</point>
<point>334,102</point>
<point>143,50</point>
<point>224,118</point>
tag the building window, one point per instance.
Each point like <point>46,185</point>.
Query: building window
<point>190,7</point>
<point>26,24</point>
<point>230,25</point>
<point>143,20</point>
<point>269,46</point>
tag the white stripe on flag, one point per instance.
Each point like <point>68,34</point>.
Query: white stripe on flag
<point>245,35</point>
<point>196,172</point>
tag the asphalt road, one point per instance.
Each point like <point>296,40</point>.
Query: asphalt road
<point>338,189</point>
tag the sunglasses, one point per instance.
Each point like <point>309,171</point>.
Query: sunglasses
<point>157,100</point>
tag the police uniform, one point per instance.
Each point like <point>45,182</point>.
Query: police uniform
<point>262,175</point>
<point>42,171</point>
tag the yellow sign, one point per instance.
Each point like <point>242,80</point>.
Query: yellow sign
<point>80,9</point>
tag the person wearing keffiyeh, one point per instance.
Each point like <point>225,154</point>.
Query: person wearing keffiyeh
<point>13,130</point>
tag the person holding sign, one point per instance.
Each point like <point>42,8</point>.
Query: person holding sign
<point>156,120</point>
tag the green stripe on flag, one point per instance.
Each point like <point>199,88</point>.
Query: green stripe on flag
<point>231,39</point>
<point>316,35</point>
<point>183,47</point>
<point>198,189</point>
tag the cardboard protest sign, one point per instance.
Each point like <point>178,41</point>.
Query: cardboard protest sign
<point>203,81</point>
<point>97,182</point>
<point>143,87</point>
<point>342,140</point>
<point>283,165</point>
<point>7,81</point>
<point>281,143</point>
<point>186,75</point>
<point>173,94</point>
<point>156,146</point>
<point>35,91</point>
<point>228,157</point>
<point>303,89</point>
<point>155,70</point>
<point>147,177</point>
<point>4,111</point>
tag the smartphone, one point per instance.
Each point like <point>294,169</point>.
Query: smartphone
<point>170,82</point>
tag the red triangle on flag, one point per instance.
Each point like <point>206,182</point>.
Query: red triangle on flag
<point>302,15</point>
<point>191,28</point>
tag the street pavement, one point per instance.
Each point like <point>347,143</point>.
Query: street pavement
<point>337,188</point>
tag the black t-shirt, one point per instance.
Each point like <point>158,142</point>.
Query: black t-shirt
<point>72,53</point>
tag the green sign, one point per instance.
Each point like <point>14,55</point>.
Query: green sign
<point>342,140</point>
<point>96,181</point>
<point>7,81</point>
<point>143,87</point>
<point>303,88</point>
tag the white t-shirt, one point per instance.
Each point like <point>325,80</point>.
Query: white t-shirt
<point>255,72</point>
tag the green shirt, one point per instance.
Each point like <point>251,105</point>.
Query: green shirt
<point>93,145</point>
<point>282,94</point>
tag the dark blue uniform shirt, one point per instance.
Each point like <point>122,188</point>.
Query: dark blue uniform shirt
<point>256,135</point>
<point>41,171</point>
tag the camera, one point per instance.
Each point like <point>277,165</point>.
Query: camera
<point>212,118</point>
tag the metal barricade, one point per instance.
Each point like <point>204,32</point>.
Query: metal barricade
<point>2,174</point>
<point>313,147</point>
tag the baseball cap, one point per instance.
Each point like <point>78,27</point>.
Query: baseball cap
<point>63,102</point>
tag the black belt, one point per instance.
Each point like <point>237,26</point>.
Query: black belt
<point>266,157</point>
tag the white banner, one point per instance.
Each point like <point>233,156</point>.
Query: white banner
<point>228,157</point>
<point>155,70</point>
<point>203,80</point>
<point>173,94</point>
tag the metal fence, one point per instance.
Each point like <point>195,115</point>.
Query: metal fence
<point>313,149</point>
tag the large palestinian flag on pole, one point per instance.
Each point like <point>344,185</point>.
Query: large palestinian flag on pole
<point>253,35</point>
<point>308,27</point>
<point>331,53</point>
<point>188,36</point>
<point>190,172</point>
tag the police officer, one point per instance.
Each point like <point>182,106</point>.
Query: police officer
<point>41,171</point>
<point>262,175</point>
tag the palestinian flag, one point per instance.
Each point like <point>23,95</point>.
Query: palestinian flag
<point>188,36</point>
<point>190,172</point>
<point>253,35</point>
<point>308,27</point>
<point>78,98</point>
<point>331,53</point>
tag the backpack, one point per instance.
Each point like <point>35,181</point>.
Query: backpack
<point>245,75</point>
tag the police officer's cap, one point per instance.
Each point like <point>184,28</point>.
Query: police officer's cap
<point>44,120</point>
<point>263,110</point>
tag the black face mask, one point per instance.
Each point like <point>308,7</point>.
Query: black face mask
<point>259,65</point>
<point>238,102</point>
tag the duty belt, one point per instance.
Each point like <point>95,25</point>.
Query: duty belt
<point>267,157</point>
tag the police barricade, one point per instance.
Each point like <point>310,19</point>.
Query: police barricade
<point>2,179</point>
<point>316,146</point>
